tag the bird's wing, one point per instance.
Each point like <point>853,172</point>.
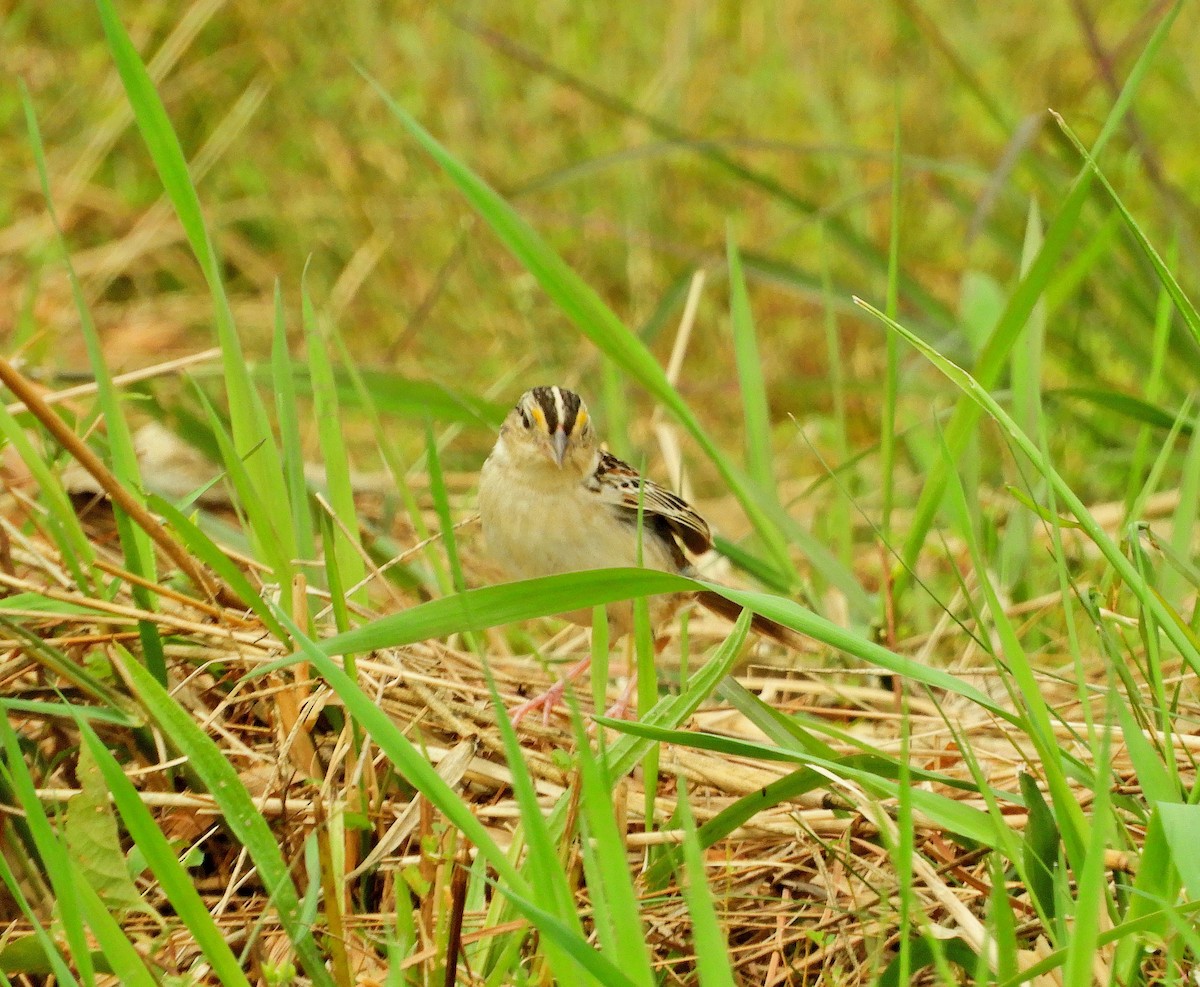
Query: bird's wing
<point>621,486</point>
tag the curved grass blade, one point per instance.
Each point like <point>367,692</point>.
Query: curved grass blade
<point>478,609</point>
<point>1183,304</point>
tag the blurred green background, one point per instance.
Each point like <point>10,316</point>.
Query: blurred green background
<point>633,137</point>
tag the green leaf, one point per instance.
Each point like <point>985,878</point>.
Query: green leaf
<point>1039,847</point>
<point>90,832</point>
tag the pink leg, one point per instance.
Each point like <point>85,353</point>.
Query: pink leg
<point>552,696</point>
<point>620,709</point>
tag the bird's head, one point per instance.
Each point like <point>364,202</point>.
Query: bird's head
<point>550,426</point>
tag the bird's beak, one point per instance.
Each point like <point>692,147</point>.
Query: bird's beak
<point>558,446</point>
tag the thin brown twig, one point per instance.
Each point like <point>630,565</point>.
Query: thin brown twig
<point>24,390</point>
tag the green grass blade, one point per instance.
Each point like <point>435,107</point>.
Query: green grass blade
<point>1016,549</point>
<point>478,609</point>
<point>588,966</point>
<point>619,916</point>
<point>877,775</point>
<point>174,880</point>
<point>756,415</point>
<point>708,938</point>
<point>239,811</point>
<point>266,523</point>
<point>51,851</point>
<point>124,960</point>
<point>392,393</point>
<point>35,953</point>
<point>136,544</point>
<point>1186,520</point>
<point>549,891</point>
<point>208,552</point>
<point>69,711</point>
<point>1183,304</point>
<point>287,413</point>
<point>61,520</point>
<point>346,547</point>
<point>1092,895</point>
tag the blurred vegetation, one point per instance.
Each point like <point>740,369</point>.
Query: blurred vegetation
<point>631,137</point>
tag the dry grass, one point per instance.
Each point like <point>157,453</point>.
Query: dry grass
<point>807,891</point>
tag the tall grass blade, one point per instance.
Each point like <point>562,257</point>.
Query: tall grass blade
<point>136,544</point>
<point>750,374</point>
<point>708,938</point>
<point>251,429</point>
<point>594,319</point>
<point>345,548</point>
<point>287,413</point>
<point>175,882</point>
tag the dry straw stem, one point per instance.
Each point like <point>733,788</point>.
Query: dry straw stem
<point>122,380</point>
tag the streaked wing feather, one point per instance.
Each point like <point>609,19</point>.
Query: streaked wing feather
<point>620,485</point>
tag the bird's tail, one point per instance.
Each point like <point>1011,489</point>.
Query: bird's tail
<point>765,626</point>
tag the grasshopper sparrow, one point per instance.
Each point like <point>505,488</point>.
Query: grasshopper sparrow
<point>551,500</point>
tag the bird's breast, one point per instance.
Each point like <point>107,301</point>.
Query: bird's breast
<point>539,526</point>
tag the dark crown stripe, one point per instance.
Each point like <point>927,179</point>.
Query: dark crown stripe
<point>544,396</point>
<point>559,406</point>
<point>571,406</point>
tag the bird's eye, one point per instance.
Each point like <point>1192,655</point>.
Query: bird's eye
<point>524,417</point>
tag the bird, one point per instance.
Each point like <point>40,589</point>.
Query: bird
<point>553,500</point>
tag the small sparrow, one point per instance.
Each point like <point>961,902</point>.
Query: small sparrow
<point>551,500</point>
